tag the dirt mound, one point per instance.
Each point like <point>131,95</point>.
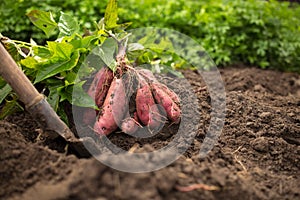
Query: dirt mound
<point>256,157</point>
<point>24,163</point>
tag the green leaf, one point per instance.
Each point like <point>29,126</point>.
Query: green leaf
<point>71,77</point>
<point>53,98</point>
<point>41,51</point>
<point>29,62</point>
<point>43,20</point>
<point>56,66</point>
<point>121,27</point>
<point>65,93</point>
<point>264,64</point>
<point>67,25</point>
<point>60,50</point>
<point>146,57</point>
<point>4,92</point>
<point>135,50</point>
<point>106,53</point>
<point>135,47</point>
<point>90,64</point>
<point>164,45</point>
<point>111,14</point>
<point>81,98</point>
<point>84,42</point>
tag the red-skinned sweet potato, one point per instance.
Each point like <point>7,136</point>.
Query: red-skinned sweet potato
<point>103,85</point>
<point>153,81</point>
<point>113,109</point>
<point>89,115</point>
<point>172,109</point>
<point>98,90</point>
<point>147,111</point>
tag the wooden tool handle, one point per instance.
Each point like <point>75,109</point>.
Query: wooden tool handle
<point>14,76</point>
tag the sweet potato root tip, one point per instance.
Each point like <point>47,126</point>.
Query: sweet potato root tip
<point>130,125</point>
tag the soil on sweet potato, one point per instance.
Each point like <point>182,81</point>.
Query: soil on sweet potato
<point>256,157</point>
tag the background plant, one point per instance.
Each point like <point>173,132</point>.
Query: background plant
<point>261,33</point>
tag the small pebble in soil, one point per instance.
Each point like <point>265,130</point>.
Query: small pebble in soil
<point>265,114</point>
<point>260,144</point>
<point>259,88</point>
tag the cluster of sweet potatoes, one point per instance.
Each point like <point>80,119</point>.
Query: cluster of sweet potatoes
<point>154,102</point>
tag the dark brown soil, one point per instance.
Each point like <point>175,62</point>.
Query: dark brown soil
<point>256,157</point>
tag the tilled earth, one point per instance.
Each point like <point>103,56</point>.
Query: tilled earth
<point>257,155</point>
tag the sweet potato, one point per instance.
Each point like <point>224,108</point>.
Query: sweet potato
<point>164,96</point>
<point>89,115</point>
<point>105,79</point>
<point>168,91</point>
<point>172,109</point>
<point>97,91</point>
<point>147,111</point>
<point>113,109</point>
<point>153,81</point>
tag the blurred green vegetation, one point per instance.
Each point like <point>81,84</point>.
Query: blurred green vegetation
<point>254,32</point>
<point>16,25</point>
